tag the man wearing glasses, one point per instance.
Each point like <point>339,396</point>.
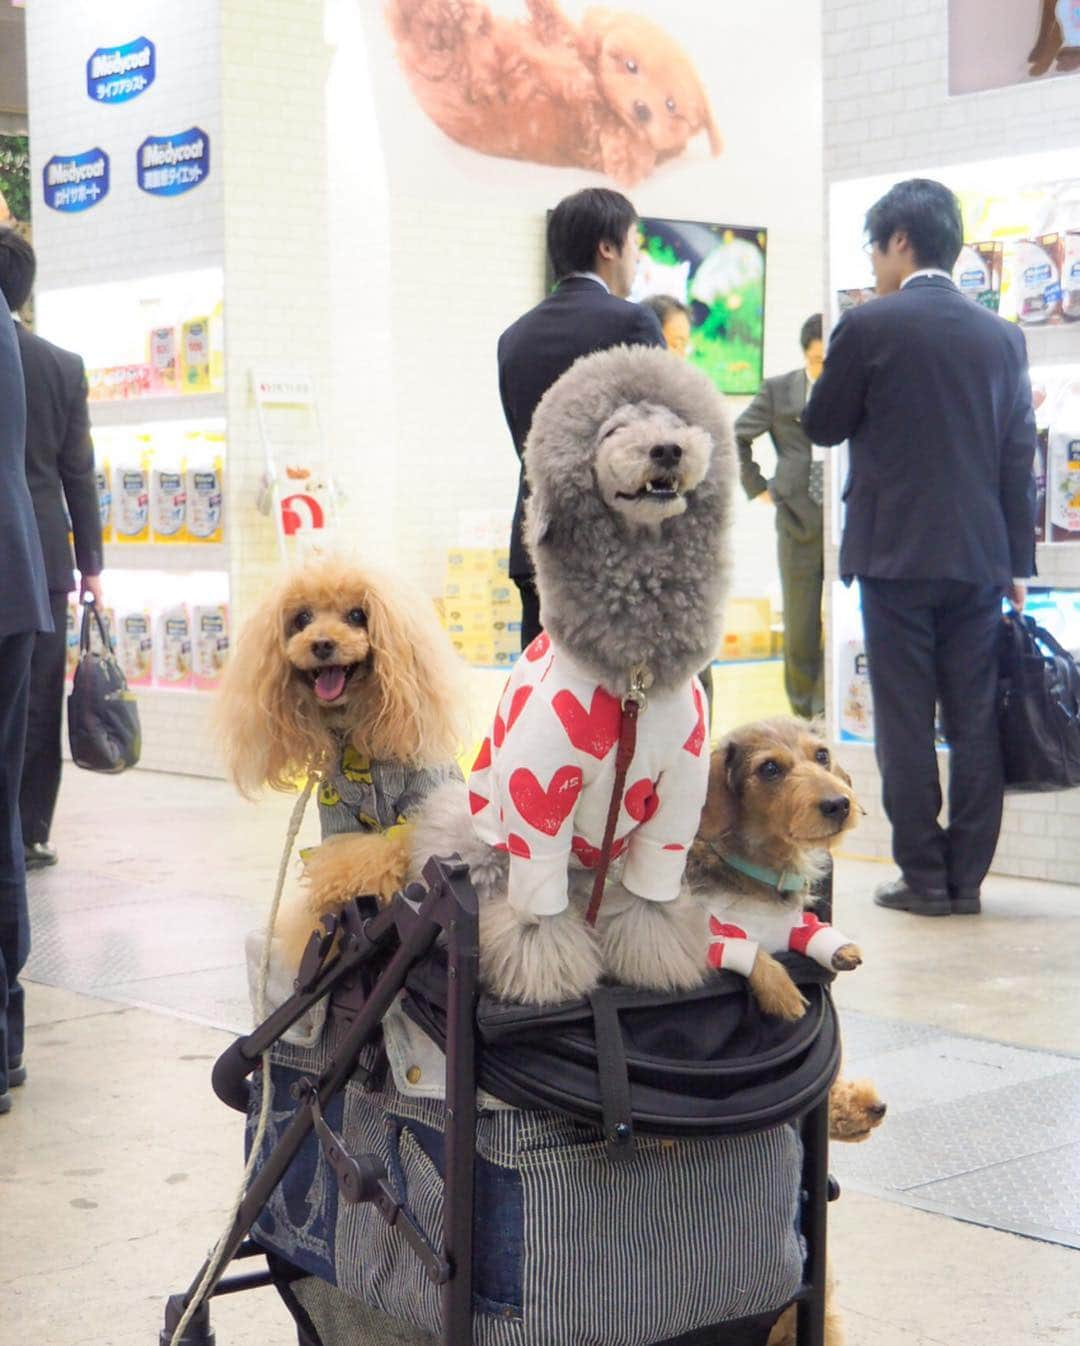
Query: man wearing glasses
<point>932,393</point>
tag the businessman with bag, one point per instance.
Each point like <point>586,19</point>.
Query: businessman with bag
<point>932,393</point>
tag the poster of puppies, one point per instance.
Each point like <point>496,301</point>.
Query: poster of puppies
<point>612,91</point>
<point>991,47</point>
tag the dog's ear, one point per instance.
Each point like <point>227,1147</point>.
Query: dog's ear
<point>539,523</point>
<point>596,23</point>
<point>716,140</point>
<point>721,810</point>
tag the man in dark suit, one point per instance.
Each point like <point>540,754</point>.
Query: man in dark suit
<point>59,468</point>
<point>24,610</point>
<point>931,391</point>
<point>592,242</point>
<point>796,491</point>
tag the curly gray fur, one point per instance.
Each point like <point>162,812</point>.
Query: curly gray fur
<point>615,595</point>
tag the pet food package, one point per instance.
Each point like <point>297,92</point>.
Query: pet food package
<point>1063,467</point>
<point>217,348</point>
<point>1038,279</point>
<point>103,483</point>
<point>71,638</point>
<point>134,647</point>
<point>205,491</point>
<point>195,356</point>
<point>97,644</point>
<point>1042,448</point>
<point>172,647</point>
<point>1070,277</point>
<point>978,273</point>
<point>131,501</point>
<point>846,299</point>
<point>162,353</point>
<point>856,702</point>
<point>209,644</point>
<point>168,503</point>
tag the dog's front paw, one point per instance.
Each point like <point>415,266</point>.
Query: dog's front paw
<point>847,957</point>
<point>536,960</point>
<point>774,990</point>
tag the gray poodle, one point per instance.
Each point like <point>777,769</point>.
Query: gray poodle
<point>630,463</point>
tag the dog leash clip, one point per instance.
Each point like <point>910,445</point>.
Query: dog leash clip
<point>640,682</point>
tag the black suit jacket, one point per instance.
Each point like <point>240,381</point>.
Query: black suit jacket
<point>932,393</point>
<point>579,318</point>
<point>60,459</point>
<point>777,409</point>
<point>24,601</point>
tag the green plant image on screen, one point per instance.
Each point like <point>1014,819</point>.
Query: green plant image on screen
<point>15,179</point>
<point>718,271</point>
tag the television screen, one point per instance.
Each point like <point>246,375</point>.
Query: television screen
<point>718,271</point>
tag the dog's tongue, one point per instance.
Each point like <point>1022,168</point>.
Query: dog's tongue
<point>329,683</point>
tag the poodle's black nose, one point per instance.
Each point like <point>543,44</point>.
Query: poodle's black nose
<point>322,649</point>
<point>666,455</point>
<point>839,806</point>
<point>642,111</point>
<point>877,1110</point>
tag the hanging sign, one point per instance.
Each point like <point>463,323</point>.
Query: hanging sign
<point>76,181</point>
<point>169,165</point>
<point>116,74</point>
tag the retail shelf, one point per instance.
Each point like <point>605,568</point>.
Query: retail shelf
<point>140,410</point>
<point>1058,345</point>
<point>170,556</point>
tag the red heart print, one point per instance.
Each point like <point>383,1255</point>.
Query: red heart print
<point>641,800</point>
<point>546,809</point>
<point>517,705</point>
<point>498,731</point>
<point>674,846</point>
<point>538,648</point>
<point>518,846</point>
<point>722,931</point>
<point>477,802</point>
<point>483,757</point>
<point>590,855</point>
<point>596,730</point>
<point>696,740</point>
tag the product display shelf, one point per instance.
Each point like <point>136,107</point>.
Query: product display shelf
<point>1058,345</point>
<point>174,407</point>
<point>177,556</point>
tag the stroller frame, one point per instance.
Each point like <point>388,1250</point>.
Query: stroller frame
<point>414,920</point>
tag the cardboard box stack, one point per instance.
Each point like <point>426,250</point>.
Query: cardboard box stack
<point>481,607</point>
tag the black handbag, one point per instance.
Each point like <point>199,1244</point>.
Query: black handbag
<point>103,719</point>
<point>1038,708</point>
<point>708,1062</point>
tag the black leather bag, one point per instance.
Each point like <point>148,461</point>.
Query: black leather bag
<point>1038,708</point>
<point>704,1063</point>
<point>103,719</point>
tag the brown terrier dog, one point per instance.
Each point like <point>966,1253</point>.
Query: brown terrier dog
<point>613,93</point>
<point>776,802</point>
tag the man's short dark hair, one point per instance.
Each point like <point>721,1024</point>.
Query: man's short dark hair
<point>664,305</point>
<point>17,267</point>
<point>810,331</point>
<point>930,216</point>
<point>580,223</point>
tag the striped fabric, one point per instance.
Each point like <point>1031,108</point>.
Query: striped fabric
<point>571,1248</point>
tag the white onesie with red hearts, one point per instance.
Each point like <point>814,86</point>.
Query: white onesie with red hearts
<point>541,784</point>
<point>739,926</point>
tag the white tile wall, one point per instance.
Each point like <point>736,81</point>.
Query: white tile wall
<point>887,111</point>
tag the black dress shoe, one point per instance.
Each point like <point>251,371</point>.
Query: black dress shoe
<point>5,1103</point>
<point>899,897</point>
<point>965,901</point>
<point>40,856</point>
<point>16,1072</point>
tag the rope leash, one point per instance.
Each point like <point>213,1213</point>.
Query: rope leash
<point>212,1266</point>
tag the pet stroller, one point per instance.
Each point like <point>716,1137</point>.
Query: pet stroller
<point>631,1169</point>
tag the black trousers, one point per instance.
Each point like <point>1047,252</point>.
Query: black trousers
<point>929,641</point>
<point>801,565</point>
<point>44,727</point>
<point>15,652</point>
<point>530,609</point>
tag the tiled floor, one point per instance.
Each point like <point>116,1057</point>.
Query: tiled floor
<point>117,1164</point>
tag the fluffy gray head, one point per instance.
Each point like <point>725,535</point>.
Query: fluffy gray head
<point>631,462</point>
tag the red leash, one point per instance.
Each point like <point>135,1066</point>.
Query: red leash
<point>633,703</point>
